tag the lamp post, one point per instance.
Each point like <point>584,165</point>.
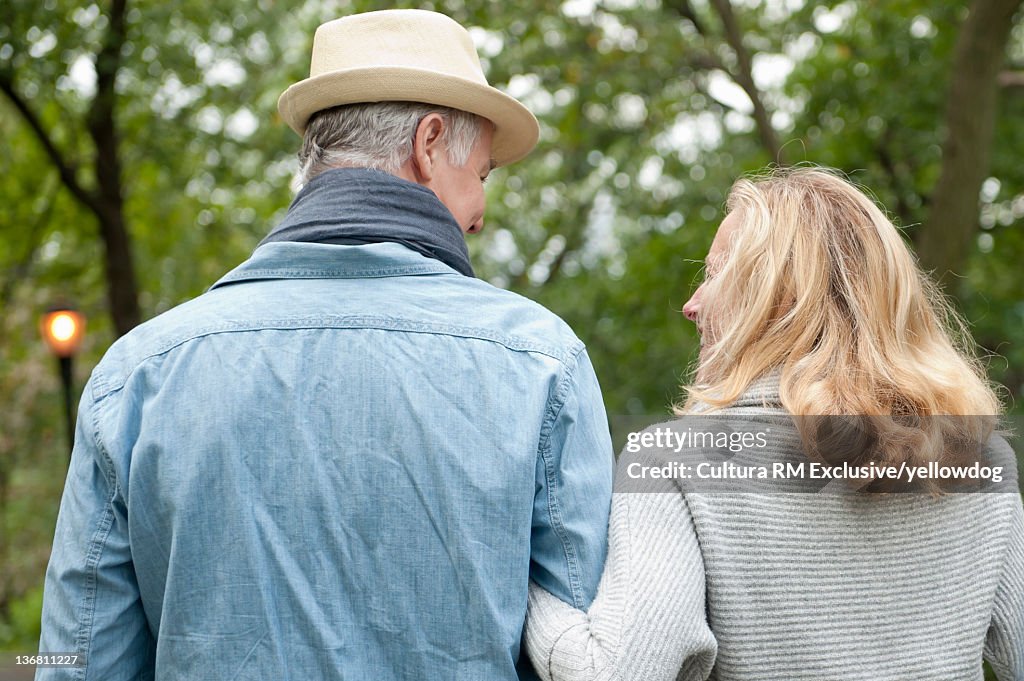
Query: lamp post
<point>63,329</point>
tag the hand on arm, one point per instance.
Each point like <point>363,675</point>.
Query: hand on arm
<point>648,620</point>
<point>575,464</point>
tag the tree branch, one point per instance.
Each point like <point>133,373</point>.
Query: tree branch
<point>65,170</point>
<point>684,9</point>
<point>706,60</point>
<point>744,77</point>
<point>1011,79</point>
<point>573,242</point>
<point>35,237</point>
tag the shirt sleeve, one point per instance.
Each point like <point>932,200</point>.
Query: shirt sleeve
<point>91,603</point>
<point>1004,646</point>
<point>648,620</point>
<point>573,489</point>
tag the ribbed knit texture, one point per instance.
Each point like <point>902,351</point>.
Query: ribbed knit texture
<point>796,586</point>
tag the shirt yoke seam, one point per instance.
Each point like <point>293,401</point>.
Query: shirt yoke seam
<point>103,386</point>
<point>306,273</point>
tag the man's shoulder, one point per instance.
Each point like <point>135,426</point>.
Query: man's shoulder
<point>519,315</point>
<point>154,337</point>
<point>473,309</point>
<point>453,306</point>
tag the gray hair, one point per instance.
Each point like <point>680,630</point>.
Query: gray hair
<point>378,135</point>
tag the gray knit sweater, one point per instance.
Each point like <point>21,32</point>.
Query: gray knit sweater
<point>796,586</point>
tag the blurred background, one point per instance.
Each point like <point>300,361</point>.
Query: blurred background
<point>143,157</point>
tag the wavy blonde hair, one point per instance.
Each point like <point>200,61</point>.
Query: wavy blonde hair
<point>818,286</point>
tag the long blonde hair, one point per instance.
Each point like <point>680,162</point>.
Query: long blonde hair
<point>819,287</point>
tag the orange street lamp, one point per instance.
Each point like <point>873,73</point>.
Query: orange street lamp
<point>63,329</point>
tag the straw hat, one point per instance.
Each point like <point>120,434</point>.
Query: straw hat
<point>406,55</point>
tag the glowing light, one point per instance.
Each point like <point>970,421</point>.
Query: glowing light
<point>63,327</point>
<point>63,331</point>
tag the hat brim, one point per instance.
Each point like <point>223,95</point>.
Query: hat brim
<point>515,129</point>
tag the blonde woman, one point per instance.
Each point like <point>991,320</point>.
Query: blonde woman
<point>812,305</point>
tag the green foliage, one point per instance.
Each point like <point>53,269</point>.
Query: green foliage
<point>874,108</point>
<point>605,223</point>
<point>19,631</point>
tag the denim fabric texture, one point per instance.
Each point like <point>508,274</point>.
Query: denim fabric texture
<point>341,462</point>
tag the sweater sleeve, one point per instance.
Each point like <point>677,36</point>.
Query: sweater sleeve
<point>648,620</point>
<point>1004,646</point>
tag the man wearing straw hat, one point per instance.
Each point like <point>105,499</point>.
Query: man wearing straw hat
<point>350,456</point>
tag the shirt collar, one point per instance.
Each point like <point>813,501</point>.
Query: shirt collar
<point>293,260</point>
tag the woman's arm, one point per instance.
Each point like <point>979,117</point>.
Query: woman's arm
<point>648,620</point>
<point>1004,647</point>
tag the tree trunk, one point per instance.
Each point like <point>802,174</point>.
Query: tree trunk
<point>106,202</point>
<point>122,289</point>
<point>952,221</point>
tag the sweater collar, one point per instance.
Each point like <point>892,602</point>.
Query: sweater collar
<point>762,393</point>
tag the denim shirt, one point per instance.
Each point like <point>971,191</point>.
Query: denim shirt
<point>341,462</point>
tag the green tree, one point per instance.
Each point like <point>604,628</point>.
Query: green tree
<point>144,158</point>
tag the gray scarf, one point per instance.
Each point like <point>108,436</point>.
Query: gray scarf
<point>363,206</point>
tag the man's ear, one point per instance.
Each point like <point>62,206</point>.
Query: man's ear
<point>427,146</point>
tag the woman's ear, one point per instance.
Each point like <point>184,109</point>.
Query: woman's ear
<point>427,146</point>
